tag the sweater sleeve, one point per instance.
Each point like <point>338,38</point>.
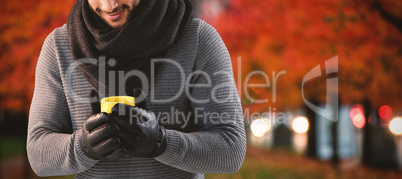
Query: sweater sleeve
<point>220,147</point>
<point>52,145</point>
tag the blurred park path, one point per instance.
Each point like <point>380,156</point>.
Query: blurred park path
<point>13,167</point>
<point>277,163</point>
<point>259,164</point>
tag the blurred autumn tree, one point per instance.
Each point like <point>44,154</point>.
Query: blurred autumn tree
<point>270,36</point>
<point>296,36</point>
<point>22,32</point>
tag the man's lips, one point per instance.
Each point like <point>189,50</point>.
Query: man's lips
<point>115,16</point>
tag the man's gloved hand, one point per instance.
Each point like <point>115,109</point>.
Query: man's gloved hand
<point>99,139</point>
<point>139,131</point>
<point>137,94</point>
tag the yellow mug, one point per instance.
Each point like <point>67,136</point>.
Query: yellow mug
<point>108,102</point>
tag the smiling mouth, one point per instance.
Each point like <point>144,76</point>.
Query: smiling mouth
<point>115,16</point>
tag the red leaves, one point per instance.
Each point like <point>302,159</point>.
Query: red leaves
<point>21,38</point>
<point>298,35</point>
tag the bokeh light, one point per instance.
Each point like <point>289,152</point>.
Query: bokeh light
<point>395,126</point>
<point>385,112</point>
<point>357,109</point>
<point>357,116</point>
<point>260,126</point>
<point>300,125</point>
<point>359,121</point>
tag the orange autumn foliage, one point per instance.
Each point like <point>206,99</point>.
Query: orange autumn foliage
<point>22,33</point>
<point>296,36</point>
<point>271,36</point>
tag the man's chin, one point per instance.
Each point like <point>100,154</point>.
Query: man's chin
<point>115,24</point>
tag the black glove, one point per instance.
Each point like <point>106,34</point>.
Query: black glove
<point>140,133</point>
<point>138,93</point>
<point>99,139</point>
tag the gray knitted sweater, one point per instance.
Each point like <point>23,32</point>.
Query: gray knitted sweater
<point>195,87</point>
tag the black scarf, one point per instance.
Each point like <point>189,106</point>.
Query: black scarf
<point>153,27</point>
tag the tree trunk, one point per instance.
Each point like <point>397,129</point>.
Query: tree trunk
<point>312,131</point>
<point>366,133</point>
<point>334,136</point>
<point>1,136</point>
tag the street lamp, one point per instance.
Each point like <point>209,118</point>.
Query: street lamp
<point>260,126</point>
<point>300,125</point>
<point>395,126</point>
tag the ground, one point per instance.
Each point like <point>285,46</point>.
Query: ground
<point>259,163</point>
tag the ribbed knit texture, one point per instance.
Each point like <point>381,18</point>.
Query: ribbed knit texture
<point>60,106</point>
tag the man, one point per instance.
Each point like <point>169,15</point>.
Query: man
<point>187,120</point>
